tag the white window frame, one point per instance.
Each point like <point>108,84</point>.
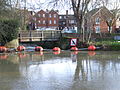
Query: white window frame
<point>60,17</point>
<point>97,29</point>
<point>50,16</point>
<point>97,20</point>
<point>50,22</point>
<point>39,21</point>
<point>55,22</point>
<point>43,15</point>
<point>43,21</point>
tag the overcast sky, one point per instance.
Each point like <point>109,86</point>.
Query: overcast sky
<point>38,4</point>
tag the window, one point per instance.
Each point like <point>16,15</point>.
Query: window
<point>109,29</point>
<point>55,22</point>
<point>43,15</point>
<point>97,28</point>
<point>43,21</point>
<point>64,17</point>
<point>60,17</point>
<point>50,22</point>
<point>39,22</point>
<point>97,20</point>
<point>63,22</point>
<point>55,15</point>
<point>50,15</point>
<point>71,21</point>
<point>38,15</point>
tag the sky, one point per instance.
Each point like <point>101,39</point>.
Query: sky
<point>38,5</point>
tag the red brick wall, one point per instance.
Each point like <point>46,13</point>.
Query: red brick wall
<point>103,25</point>
<point>47,19</point>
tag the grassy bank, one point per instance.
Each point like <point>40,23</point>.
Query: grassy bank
<point>111,45</point>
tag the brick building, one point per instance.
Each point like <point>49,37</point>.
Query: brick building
<point>66,20</point>
<point>118,25</point>
<point>95,20</point>
<point>46,19</point>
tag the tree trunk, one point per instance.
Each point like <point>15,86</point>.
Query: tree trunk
<point>79,31</point>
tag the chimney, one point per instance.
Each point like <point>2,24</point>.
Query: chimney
<point>67,21</point>
<point>67,13</point>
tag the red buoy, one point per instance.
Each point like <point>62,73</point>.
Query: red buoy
<point>38,48</point>
<point>3,49</point>
<point>74,49</point>
<point>91,48</point>
<point>56,49</point>
<point>21,48</point>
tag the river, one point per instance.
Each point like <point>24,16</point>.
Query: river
<point>65,70</point>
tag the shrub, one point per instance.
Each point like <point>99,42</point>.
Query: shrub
<point>113,45</point>
<point>8,30</point>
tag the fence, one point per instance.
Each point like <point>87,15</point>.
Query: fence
<point>44,35</point>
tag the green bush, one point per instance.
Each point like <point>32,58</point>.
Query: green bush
<point>113,45</point>
<point>8,30</point>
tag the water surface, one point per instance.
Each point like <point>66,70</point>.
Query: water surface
<point>64,70</point>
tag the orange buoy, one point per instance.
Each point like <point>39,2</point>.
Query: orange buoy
<point>91,53</point>
<point>91,48</point>
<point>3,49</point>
<point>74,49</point>
<point>56,49</point>
<point>38,48</point>
<point>21,48</point>
<point>56,52</point>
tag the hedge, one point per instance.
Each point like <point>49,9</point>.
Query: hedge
<point>8,30</point>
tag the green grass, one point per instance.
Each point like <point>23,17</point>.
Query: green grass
<point>113,45</point>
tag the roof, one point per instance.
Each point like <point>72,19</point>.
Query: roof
<point>95,11</point>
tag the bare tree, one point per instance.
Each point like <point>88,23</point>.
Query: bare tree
<point>112,16</point>
<point>79,8</point>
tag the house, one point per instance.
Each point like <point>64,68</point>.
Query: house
<point>46,19</point>
<point>96,21</point>
<point>118,25</point>
<point>66,20</point>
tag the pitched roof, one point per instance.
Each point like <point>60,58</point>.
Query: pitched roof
<point>95,11</point>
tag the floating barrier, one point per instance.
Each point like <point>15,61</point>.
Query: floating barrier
<point>3,49</point>
<point>38,48</point>
<point>91,48</point>
<point>21,48</point>
<point>56,49</point>
<point>74,49</point>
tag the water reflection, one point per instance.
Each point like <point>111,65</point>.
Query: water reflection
<point>56,52</point>
<point>66,70</point>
